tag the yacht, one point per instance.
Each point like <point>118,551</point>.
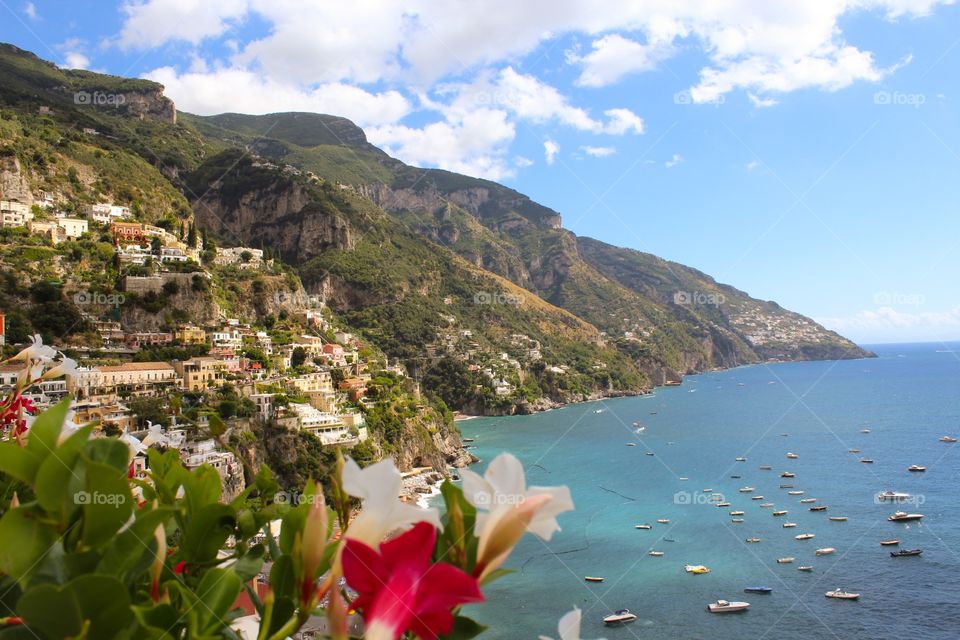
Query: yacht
<point>902,516</point>
<point>784,560</point>
<point>621,616</point>
<point>840,594</point>
<point>906,552</point>
<point>789,525</point>
<point>722,606</point>
<point>696,568</point>
<point>757,590</point>
<point>594,579</point>
<point>893,496</point>
<point>889,543</point>
<point>805,567</point>
<point>916,467</point>
<point>825,551</point>
<point>782,512</point>
<point>804,536</point>
<point>948,439</point>
<point>792,456</point>
<point>788,474</point>
<point>746,489</point>
<point>807,500</point>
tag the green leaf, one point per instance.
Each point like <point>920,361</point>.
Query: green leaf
<point>201,487</point>
<point>56,472</point>
<point>207,532</point>
<point>108,451</point>
<point>162,618</point>
<point>282,577</point>
<point>45,430</point>
<point>19,462</point>
<point>135,547</point>
<point>103,601</point>
<point>464,629</point>
<point>107,503</point>
<point>23,542</point>
<point>217,591</point>
<point>249,565</point>
<point>54,612</point>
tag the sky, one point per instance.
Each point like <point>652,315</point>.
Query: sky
<point>804,152</point>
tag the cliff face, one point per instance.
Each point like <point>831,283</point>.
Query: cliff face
<point>13,183</point>
<point>150,104</point>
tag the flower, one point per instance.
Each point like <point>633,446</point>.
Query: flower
<point>156,567</point>
<point>64,367</point>
<point>507,508</point>
<point>400,590</point>
<point>569,626</point>
<point>313,543</point>
<point>379,487</point>
<point>36,351</point>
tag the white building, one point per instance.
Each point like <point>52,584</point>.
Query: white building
<point>14,214</point>
<point>104,213</point>
<point>326,426</point>
<point>234,256</point>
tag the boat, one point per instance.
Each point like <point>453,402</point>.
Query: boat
<point>788,474</point>
<point>649,453</point>
<point>839,518</point>
<point>889,543</point>
<point>741,459</point>
<point>948,439</point>
<point>766,467</point>
<point>663,521</point>
<point>892,496</point>
<point>716,497</point>
<point>696,568</point>
<point>840,594</point>
<point>746,489</point>
<point>853,450</point>
<point>782,512</point>
<point>766,505</point>
<point>864,430</point>
<point>789,525</point>
<point>786,486</point>
<point>655,554</point>
<point>902,516</point>
<point>758,590</point>
<point>819,507</point>
<point>621,616</point>
<point>706,490</point>
<point>905,552</point>
<point>631,444</point>
<point>753,540</point>
<point>804,536</point>
<point>642,526</point>
<point>669,540</point>
<point>594,579</point>
<point>807,500</point>
<point>825,551</point>
<point>467,440</point>
<point>736,513</point>
<point>735,477</point>
<point>916,468</point>
<point>805,567</point>
<point>723,504</point>
<point>792,456</point>
<point>736,520</point>
<point>795,493</point>
<point>784,560</point>
<point>722,606</point>
<point>682,479</point>
<point>599,411</point>
<point>756,497</point>
<point>866,460</point>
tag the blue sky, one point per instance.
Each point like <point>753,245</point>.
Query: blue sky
<point>803,152</point>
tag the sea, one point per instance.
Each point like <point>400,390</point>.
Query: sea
<point>908,398</point>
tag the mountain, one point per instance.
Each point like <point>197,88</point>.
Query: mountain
<point>479,290</point>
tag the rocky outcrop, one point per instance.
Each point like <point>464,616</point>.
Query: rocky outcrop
<point>150,104</point>
<point>13,182</point>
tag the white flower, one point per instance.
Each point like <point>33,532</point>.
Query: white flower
<point>134,445</point>
<point>569,626</point>
<point>378,486</point>
<point>65,367</point>
<point>36,351</point>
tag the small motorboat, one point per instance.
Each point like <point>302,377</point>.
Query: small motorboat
<point>766,505</point>
<point>737,513</point>
<point>716,497</point>
<point>696,568</point>
<point>756,497</point>
<point>642,526</point>
<point>840,594</point>
<point>889,543</point>
<point>789,525</point>
<point>621,616</point>
<point>795,493</point>
<point>916,468</point>
<point>902,516</point>
<point>467,440</point>
<point>741,459</point>
<point>683,479</point>
<point>766,467</point>
<point>746,490</point>
<point>594,579</point>
<point>788,474</point>
<point>782,512</point>
<point>736,520</point>
<point>792,456</point>
<point>649,453</point>
<point>723,504</point>
<point>758,590</point>
<point>655,554</point>
<point>631,444</point>
<point>663,521</point>
<point>753,540</point>
<point>838,518</point>
<point>892,496</point>
<point>735,477</point>
<point>804,536</point>
<point>786,486</point>
<point>853,450</point>
<point>905,552</point>
<point>706,490</point>
<point>825,551</point>
<point>864,430</point>
<point>722,606</point>
<point>948,439</point>
<point>785,560</point>
<point>807,500</point>
<point>805,567</point>
<point>866,460</point>
<point>819,507</point>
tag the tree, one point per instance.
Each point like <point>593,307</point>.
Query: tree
<point>149,409</point>
<point>298,357</point>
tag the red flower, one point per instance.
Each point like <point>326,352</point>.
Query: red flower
<point>400,590</point>
<point>180,568</point>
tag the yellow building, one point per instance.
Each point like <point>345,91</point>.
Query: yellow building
<point>199,373</point>
<point>190,335</point>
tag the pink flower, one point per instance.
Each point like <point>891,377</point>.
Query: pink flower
<point>400,590</point>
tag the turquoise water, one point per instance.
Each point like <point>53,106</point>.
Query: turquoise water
<point>908,397</point>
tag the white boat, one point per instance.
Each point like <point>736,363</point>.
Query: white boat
<point>756,497</point>
<point>808,500</point>
<point>788,474</point>
<point>766,505</point>
<point>649,453</point>
<point>746,489</point>
<point>623,616</point>
<point>789,525</point>
<point>805,567</point>
<point>663,521</point>
<point>642,526</point>
<point>795,493</point>
<point>864,430</point>
<point>902,516</point>
<point>766,467</point>
<point>782,512</point>
<point>804,536</point>
<point>737,520</point>
<point>723,606</point>
<point>838,518</point>
<point>696,568</point>
<point>594,579</point>
<point>684,479</point>
<point>916,467</point>
<point>785,560</point>
<point>840,594</point>
<point>753,540</point>
<point>853,450</point>
<point>792,456</point>
<point>631,444</point>
<point>655,554</point>
<point>825,551</point>
<point>948,439</point>
<point>741,459</point>
<point>893,496</point>
<point>737,513</point>
<point>723,504</point>
<point>706,490</point>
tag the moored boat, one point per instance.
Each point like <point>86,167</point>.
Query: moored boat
<point>792,456</point>
<point>663,521</point>
<point>795,493</point>
<point>594,579</point>
<point>753,540</point>
<point>916,468</point>
<point>889,543</point>
<point>621,616</point>
<point>756,497</point>
<point>892,496</point>
<point>737,513</point>
<point>840,594</point>
<point>838,518</point>
<point>905,552</point>
<point>804,536</point>
<point>766,467</point>
<point>757,590</point>
<point>642,526</point>
<point>825,551</point>
<point>655,554</point>
<point>787,560</point>
<point>819,507</point>
<point>902,516</point>
<point>948,439</point>
<point>788,474</point>
<point>696,568</point>
<point>746,489</point>
<point>736,520</point>
<point>782,512</point>
<point>807,568</point>
<point>807,500</point>
<point>866,460</point>
<point>723,606</point>
<point>789,525</point>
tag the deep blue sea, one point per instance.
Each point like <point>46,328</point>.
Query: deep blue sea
<point>908,398</point>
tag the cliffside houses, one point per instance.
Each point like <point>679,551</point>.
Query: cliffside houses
<point>243,257</point>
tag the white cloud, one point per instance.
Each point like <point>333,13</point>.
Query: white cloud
<point>753,164</point>
<point>673,161</point>
<point>76,60</point>
<point>522,162</point>
<point>154,22</point>
<point>762,102</point>
<point>550,150</point>
<point>887,324</point>
<point>614,56</point>
<point>599,152</point>
<point>31,10</point>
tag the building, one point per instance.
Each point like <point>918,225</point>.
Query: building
<point>14,214</point>
<point>130,376</point>
<point>128,233</point>
<point>134,254</point>
<point>172,254</point>
<point>48,229</point>
<point>201,372</point>
<point>106,213</point>
<point>73,228</point>
<point>189,334</point>
<point>355,388</point>
<point>142,339</point>
<point>326,426</point>
<point>244,257</point>
<point>264,403</point>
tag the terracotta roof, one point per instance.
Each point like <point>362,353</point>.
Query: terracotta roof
<point>136,366</point>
